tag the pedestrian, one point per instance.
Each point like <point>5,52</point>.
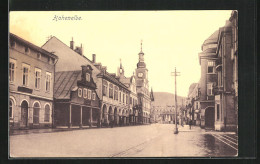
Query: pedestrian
<point>190,123</point>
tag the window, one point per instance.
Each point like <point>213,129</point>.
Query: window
<point>27,50</point>
<point>93,96</point>
<point>126,99</point>
<point>88,77</point>
<point>79,92</point>
<point>105,88</point>
<point>119,96</point>
<point>220,78</point>
<point>11,108</point>
<point>48,82</point>
<point>11,70</point>
<point>217,111</point>
<point>89,94</point>
<point>110,90</point>
<point>116,93</point>
<point>131,100</point>
<point>211,67</point>
<point>123,98</point>
<point>209,89</point>
<point>39,56</point>
<point>85,93</point>
<point>37,78</point>
<point>25,74</point>
<point>47,113</point>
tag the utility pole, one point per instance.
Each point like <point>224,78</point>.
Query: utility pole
<point>175,74</point>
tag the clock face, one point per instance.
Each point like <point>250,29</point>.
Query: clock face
<point>140,74</point>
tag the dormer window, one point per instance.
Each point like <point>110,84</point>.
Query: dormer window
<point>80,92</point>
<point>88,77</point>
<point>39,56</point>
<point>27,50</point>
<point>13,44</point>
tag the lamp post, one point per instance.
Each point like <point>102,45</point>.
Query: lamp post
<point>175,74</point>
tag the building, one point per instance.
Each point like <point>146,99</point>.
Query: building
<point>234,58</point>
<point>193,104</point>
<point>113,95</point>
<point>76,100</point>
<point>207,60</point>
<point>142,88</point>
<point>225,114</point>
<point>218,86</point>
<point>31,77</point>
<point>130,82</point>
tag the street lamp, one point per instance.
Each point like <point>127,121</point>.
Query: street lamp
<point>176,128</point>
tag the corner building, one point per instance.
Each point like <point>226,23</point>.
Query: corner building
<point>31,78</point>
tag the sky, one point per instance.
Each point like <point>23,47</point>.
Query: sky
<point>170,39</point>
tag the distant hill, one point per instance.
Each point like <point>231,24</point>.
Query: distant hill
<point>165,98</point>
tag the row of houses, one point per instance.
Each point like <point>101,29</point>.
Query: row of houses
<point>56,85</point>
<point>213,101</point>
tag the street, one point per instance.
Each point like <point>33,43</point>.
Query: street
<point>155,140</point>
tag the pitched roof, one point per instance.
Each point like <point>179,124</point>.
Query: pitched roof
<point>212,39</point>
<point>32,46</point>
<point>64,82</point>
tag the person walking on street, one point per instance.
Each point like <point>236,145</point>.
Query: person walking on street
<point>190,123</point>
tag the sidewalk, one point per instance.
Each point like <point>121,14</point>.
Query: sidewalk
<point>186,128</point>
<point>59,129</point>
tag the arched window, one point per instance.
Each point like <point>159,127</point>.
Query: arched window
<point>47,113</point>
<point>11,108</point>
<point>36,113</point>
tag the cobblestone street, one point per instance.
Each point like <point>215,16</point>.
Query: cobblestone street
<point>156,140</point>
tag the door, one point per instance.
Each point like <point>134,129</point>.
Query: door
<point>209,117</point>
<point>24,114</point>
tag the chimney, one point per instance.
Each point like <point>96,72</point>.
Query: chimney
<point>72,44</point>
<point>94,58</point>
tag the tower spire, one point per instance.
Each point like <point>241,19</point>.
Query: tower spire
<point>141,45</point>
<point>120,63</point>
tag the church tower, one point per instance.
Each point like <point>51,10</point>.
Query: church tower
<point>142,74</point>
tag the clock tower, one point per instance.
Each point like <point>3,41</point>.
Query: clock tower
<point>142,89</point>
<point>142,73</point>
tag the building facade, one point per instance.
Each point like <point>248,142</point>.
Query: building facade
<point>142,89</point>
<point>76,100</point>
<point>218,86</point>
<point>208,80</point>
<point>130,82</point>
<point>225,114</point>
<point>31,78</point>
